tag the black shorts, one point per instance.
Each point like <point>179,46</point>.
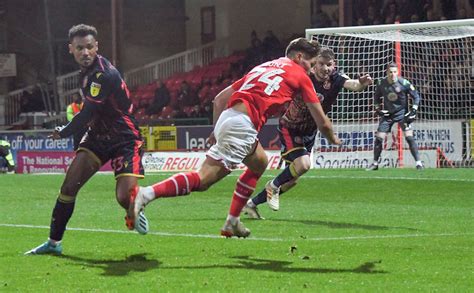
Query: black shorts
<point>295,143</point>
<point>125,154</point>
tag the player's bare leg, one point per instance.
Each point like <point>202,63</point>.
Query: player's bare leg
<point>126,190</point>
<point>179,184</point>
<point>413,148</point>
<point>378,146</point>
<point>83,166</point>
<point>211,172</point>
<point>256,165</point>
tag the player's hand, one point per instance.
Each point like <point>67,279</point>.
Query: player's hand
<point>211,139</point>
<point>382,113</point>
<point>410,116</point>
<point>54,135</point>
<point>336,141</point>
<point>366,80</point>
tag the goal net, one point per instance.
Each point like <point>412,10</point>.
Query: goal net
<point>437,58</point>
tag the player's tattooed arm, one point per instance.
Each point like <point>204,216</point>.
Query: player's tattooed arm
<point>360,84</point>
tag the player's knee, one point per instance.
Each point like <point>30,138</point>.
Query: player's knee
<point>378,140</point>
<point>260,169</point>
<point>302,165</point>
<point>69,189</point>
<point>380,135</point>
<point>258,161</point>
<point>203,186</point>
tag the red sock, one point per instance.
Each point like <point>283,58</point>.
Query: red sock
<point>243,190</point>
<point>178,184</point>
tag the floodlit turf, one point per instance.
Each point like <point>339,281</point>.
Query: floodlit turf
<point>337,230</point>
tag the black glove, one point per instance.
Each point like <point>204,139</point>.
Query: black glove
<point>410,116</point>
<point>382,113</point>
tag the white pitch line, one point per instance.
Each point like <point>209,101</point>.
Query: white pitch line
<point>235,174</point>
<point>344,238</point>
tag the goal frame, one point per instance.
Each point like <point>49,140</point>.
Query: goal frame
<point>396,28</point>
<point>389,27</point>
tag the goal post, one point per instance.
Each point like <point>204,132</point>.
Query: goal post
<point>437,58</point>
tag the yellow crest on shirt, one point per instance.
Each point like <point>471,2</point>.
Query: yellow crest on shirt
<point>95,89</point>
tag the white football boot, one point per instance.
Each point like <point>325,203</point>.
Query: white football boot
<point>273,196</point>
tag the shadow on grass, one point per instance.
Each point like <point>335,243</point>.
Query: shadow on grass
<point>132,263</point>
<point>249,263</point>
<point>341,225</point>
<point>332,225</point>
<point>139,263</point>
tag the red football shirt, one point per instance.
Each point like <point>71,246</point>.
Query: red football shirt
<point>269,86</point>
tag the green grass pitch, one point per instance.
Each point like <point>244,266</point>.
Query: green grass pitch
<point>393,230</point>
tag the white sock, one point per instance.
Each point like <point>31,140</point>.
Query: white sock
<point>54,242</point>
<point>273,185</point>
<point>250,203</point>
<point>418,163</point>
<point>375,163</point>
<point>233,220</point>
<point>148,193</point>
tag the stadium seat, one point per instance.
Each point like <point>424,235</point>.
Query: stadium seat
<point>166,112</point>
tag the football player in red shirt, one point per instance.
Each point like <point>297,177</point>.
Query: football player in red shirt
<point>297,129</point>
<point>240,111</point>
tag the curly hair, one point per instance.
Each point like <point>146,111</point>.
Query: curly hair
<point>82,30</point>
<point>309,48</point>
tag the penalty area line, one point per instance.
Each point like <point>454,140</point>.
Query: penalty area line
<point>167,234</point>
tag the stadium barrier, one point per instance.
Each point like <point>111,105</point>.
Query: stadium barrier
<point>363,159</point>
<point>440,144</point>
<point>58,162</point>
<point>161,69</point>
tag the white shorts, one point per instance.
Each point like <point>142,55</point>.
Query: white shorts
<point>235,135</point>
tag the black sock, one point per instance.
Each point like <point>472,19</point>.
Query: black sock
<point>284,177</point>
<point>62,212</point>
<point>260,198</point>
